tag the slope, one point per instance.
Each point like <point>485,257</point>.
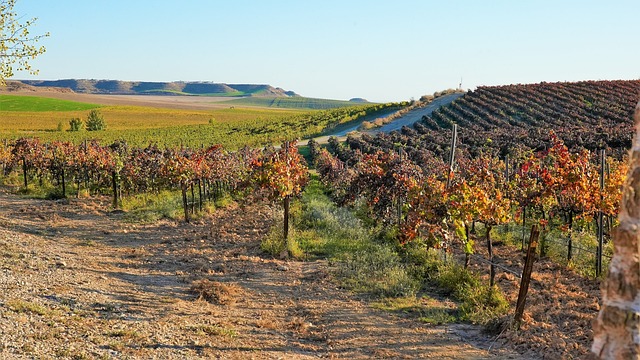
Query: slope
<point>514,118</point>
<point>202,88</point>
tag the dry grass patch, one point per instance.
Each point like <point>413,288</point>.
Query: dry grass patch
<point>299,325</point>
<point>216,292</point>
<point>268,324</point>
<point>125,334</point>
<point>214,330</point>
<point>21,306</point>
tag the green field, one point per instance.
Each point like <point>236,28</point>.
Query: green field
<point>295,102</point>
<point>232,127</point>
<point>37,104</point>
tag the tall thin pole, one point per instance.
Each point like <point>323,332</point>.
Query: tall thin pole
<point>452,156</point>
<point>600,217</point>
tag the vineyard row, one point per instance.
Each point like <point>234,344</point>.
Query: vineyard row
<point>117,168</point>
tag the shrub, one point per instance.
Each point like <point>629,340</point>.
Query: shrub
<point>95,121</point>
<point>481,304</point>
<point>76,124</point>
<point>274,243</point>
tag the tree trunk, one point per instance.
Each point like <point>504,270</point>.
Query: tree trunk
<point>617,328</point>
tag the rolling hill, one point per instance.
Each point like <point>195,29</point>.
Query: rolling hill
<point>118,87</point>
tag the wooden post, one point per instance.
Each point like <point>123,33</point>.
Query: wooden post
<point>24,172</point>
<point>114,183</point>
<point>543,245</point>
<point>193,200</point>
<point>200,195</point>
<point>185,205</point>
<point>286,218</point>
<point>4,165</point>
<point>492,273</point>
<point>399,204</point>
<point>600,218</point>
<point>78,180</point>
<point>85,170</point>
<point>570,242</point>
<point>526,274</point>
<point>452,156</point>
<point>64,187</point>
<point>506,167</point>
<point>466,254</point>
<point>524,226</point>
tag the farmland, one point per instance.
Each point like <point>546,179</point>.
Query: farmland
<point>395,214</point>
<point>549,155</point>
<point>230,126</point>
<point>11,103</point>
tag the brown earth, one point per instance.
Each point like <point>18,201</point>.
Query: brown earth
<point>560,308</point>
<point>79,282</point>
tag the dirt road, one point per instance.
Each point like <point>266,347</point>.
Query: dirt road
<point>407,120</point>
<point>79,282</point>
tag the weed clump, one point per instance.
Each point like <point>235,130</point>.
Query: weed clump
<point>216,292</point>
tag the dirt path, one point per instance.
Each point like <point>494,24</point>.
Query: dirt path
<point>407,119</point>
<point>78,282</point>
<point>416,115</point>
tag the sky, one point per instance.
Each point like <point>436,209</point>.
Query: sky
<point>378,50</point>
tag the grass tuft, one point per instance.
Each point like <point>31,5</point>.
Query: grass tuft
<point>216,292</point>
<point>21,306</point>
<point>427,310</point>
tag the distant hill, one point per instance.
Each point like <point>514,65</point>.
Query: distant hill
<point>118,87</point>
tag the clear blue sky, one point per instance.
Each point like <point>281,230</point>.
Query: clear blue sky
<point>379,50</point>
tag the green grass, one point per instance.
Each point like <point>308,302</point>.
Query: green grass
<point>369,260</point>
<point>39,104</point>
<point>148,208</point>
<point>584,242</point>
<point>294,102</point>
<point>425,308</point>
<point>323,230</point>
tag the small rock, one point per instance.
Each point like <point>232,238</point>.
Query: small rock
<point>61,263</point>
<point>283,268</point>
